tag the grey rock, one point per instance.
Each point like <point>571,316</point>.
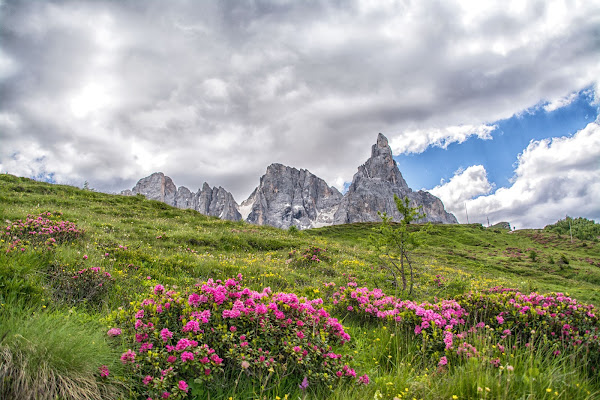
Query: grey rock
<point>374,186</point>
<point>203,199</point>
<point>184,198</point>
<point>216,202</point>
<point>157,187</point>
<point>287,196</point>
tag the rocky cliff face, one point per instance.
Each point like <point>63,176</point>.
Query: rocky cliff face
<point>287,196</point>
<point>374,186</point>
<point>156,187</point>
<point>216,202</point>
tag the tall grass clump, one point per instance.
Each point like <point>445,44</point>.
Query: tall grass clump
<point>50,355</point>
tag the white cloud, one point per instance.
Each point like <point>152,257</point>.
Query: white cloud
<point>8,66</point>
<point>464,185</point>
<point>553,178</point>
<point>560,102</point>
<point>216,90</point>
<point>417,141</point>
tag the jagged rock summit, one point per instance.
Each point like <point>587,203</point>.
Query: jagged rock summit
<point>287,196</point>
<point>216,202</point>
<point>374,186</point>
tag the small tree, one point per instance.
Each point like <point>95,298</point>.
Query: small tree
<point>396,242</point>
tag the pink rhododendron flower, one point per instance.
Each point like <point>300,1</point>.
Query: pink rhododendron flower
<point>187,356</point>
<point>145,347</point>
<point>191,326</point>
<point>104,372</point>
<point>166,334</point>
<point>183,386</point>
<point>128,357</point>
<point>112,332</point>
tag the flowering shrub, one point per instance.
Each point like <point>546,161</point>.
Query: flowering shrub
<point>89,285</point>
<point>556,319</point>
<point>182,341</point>
<point>501,314</point>
<point>46,229</point>
<point>447,314</point>
<point>309,256</point>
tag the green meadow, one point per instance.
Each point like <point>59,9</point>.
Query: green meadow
<point>132,297</point>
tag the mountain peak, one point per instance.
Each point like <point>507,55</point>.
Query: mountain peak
<point>374,186</point>
<point>381,148</point>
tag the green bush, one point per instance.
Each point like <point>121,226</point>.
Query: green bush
<point>89,286</point>
<point>312,255</point>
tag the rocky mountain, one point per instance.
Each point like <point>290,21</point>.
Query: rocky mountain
<point>216,202</point>
<point>287,196</point>
<point>374,186</point>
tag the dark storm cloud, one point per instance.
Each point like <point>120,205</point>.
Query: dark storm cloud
<point>215,91</point>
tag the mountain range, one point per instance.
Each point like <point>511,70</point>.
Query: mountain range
<point>286,196</point>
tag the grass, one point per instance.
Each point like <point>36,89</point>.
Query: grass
<point>59,345</point>
<point>49,355</point>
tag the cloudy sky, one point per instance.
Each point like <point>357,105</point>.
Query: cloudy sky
<point>493,107</point>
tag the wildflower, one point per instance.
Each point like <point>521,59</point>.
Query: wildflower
<point>304,385</point>
<point>128,357</point>
<point>112,332</point>
<point>166,334</point>
<point>443,361</point>
<point>146,346</point>
<point>147,380</point>
<point>363,379</point>
<point>187,356</point>
<point>510,368</point>
<point>191,326</point>
<point>104,372</point>
<point>171,359</point>
<point>85,257</point>
<point>159,289</point>
<point>183,386</point>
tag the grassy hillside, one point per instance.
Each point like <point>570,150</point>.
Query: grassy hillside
<point>125,258</point>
